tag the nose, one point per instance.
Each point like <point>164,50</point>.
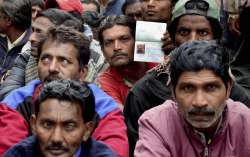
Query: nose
<point>33,37</point>
<point>117,45</point>
<point>193,36</point>
<point>53,66</point>
<point>56,136</point>
<point>199,99</point>
<point>150,2</point>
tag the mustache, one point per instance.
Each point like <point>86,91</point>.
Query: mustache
<point>51,77</point>
<point>201,111</point>
<point>118,54</point>
<point>56,146</point>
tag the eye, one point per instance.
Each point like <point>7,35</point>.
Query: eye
<point>45,59</point>
<point>183,32</point>
<point>107,42</point>
<point>65,62</point>
<point>203,32</point>
<point>47,125</point>
<point>70,126</point>
<point>124,38</point>
<point>211,87</point>
<point>188,88</point>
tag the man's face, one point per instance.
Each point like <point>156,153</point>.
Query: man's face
<point>118,45</point>
<point>59,127</point>
<point>35,10</point>
<point>89,7</point>
<point>201,98</point>
<point>193,27</point>
<point>39,28</point>
<point>134,10</point>
<point>157,10</point>
<point>58,61</point>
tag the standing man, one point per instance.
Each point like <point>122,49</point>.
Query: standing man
<point>133,9</point>
<point>62,124</point>
<point>202,120</point>
<point>157,10</point>
<point>15,22</point>
<point>111,7</point>
<point>117,39</point>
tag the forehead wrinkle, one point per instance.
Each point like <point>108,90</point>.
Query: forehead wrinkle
<point>64,111</point>
<point>119,30</point>
<point>201,77</point>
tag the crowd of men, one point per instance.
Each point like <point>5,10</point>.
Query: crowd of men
<point>70,87</point>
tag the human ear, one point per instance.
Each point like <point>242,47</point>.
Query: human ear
<point>229,88</point>
<point>83,73</point>
<point>89,130</point>
<point>33,124</point>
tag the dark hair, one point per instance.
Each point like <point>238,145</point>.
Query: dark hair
<point>199,55</point>
<point>57,16</point>
<point>127,3</point>
<point>19,12</point>
<point>244,23</point>
<point>96,3</point>
<point>69,90</point>
<point>111,21</point>
<point>75,24</point>
<point>63,34</point>
<point>39,3</point>
<point>215,25</point>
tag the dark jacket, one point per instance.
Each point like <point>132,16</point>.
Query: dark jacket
<point>152,90</point>
<point>16,78</point>
<point>8,57</point>
<point>29,148</point>
<point>114,7</point>
<point>111,128</point>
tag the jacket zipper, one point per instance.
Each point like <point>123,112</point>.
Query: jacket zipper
<point>203,139</point>
<point>206,151</point>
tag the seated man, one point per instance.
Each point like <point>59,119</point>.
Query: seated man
<point>13,128</point>
<point>187,24</point>
<point>15,19</point>
<point>117,39</point>
<point>24,69</point>
<point>202,121</point>
<point>64,54</point>
<point>62,123</point>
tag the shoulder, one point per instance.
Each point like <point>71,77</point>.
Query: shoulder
<point>100,149</point>
<point>17,96</point>
<point>103,102</point>
<point>25,148</point>
<point>155,115</point>
<point>237,107</point>
<point>238,116</point>
<point>109,74</point>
